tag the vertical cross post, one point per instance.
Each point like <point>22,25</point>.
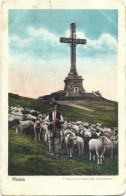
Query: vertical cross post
<point>73,42</point>
<point>73,48</point>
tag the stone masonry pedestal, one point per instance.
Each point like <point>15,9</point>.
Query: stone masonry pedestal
<point>73,85</point>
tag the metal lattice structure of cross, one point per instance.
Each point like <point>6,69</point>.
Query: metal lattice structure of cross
<point>73,42</point>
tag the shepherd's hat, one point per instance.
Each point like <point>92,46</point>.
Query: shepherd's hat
<point>55,103</point>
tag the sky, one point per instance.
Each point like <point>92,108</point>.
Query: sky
<point>39,63</point>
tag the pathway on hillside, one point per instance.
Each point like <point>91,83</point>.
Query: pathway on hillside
<point>74,105</point>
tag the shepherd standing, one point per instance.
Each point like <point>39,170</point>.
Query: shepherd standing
<point>55,119</point>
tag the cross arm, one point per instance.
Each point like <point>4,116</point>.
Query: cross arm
<point>65,40</point>
<point>80,41</point>
<point>71,40</point>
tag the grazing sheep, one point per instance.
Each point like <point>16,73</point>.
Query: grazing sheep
<point>37,128</point>
<point>34,113</point>
<point>25,127</point>
<point>10,116</point>
<point>114,139</point>
<point>107,132</point>
<point>87,133</point>
<point>12,122</point>
<point>115,131</point>
<point>79,142</point>
<point>108,145</point>
<point>69,140</point>
<point>85,124</point>
<point>30,117</point>
<point>76,128</point>
<point>45,131</point>
<point>96,147</point>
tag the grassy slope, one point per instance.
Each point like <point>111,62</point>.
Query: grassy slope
<point>105,116</point>
<point>108,117</point>
<point>42,106</point>
<point>29,157</point>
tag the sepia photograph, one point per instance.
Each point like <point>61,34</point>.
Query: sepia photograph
<point>63,93</point>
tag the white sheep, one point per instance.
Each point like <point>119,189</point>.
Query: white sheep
<point>96,148</point>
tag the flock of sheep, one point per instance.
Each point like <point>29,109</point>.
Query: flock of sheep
<point>80,138</point>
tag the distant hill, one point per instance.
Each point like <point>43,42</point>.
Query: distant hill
<point>14,95</point>
<point>105,111</point>
<point>62,96</point>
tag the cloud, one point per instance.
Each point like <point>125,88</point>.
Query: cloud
<point>44,34</point>
<point>41,43</point>
<point>105,44</point>
<point>40,34</point>
<point>18,41</point>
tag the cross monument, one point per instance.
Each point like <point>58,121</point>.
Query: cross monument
<point>73,83</point>
<point>73,89</point>
<point>73,42</point>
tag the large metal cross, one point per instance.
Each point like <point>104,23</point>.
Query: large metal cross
<point>73,42</point>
